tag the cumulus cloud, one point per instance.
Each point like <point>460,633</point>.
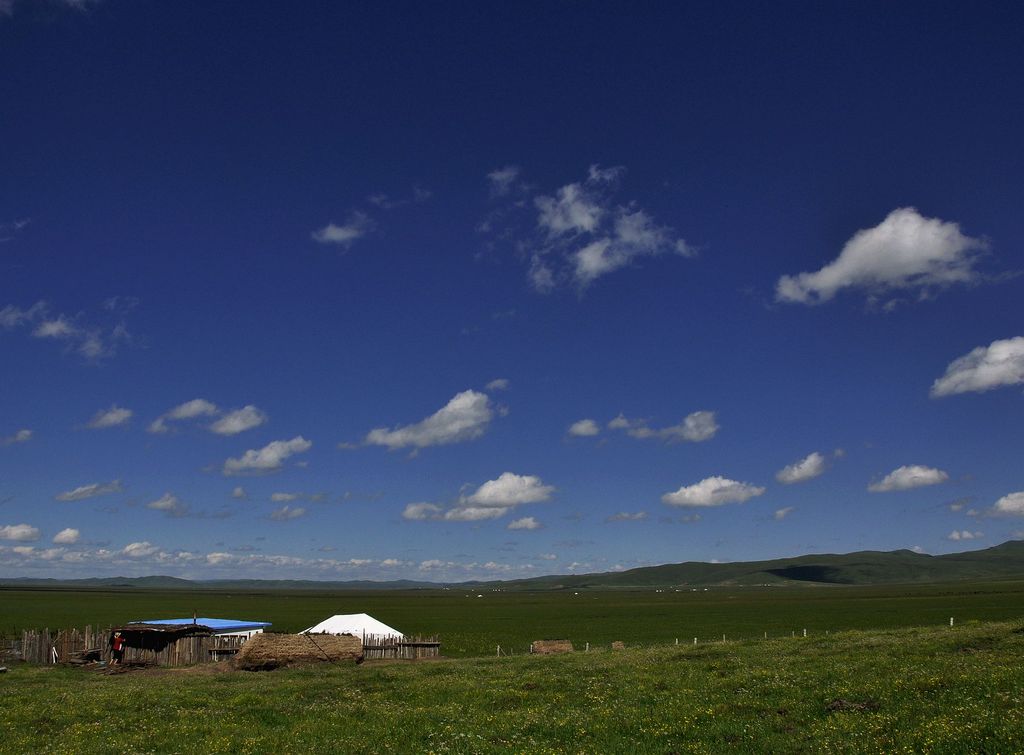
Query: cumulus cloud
<point>197,407</point>
<point>584,428</point>
<point>358,225</point>
<point>626,516</point>
<point>498,384</point>
<point>111,417</point>
<point>474,513</point>
<point>169,504</point>
<point>807,468</point>
<point>695,428</point>
<point>421,511</point>
<point>22,436</point>
<point>582,232</point>
<point>239,421</point>
<point>89,341</point>
<point>713,491</point>
<point>983,369</point>
<point>526,523</point>
<point>510,490</point>
<point>23,533</point>
<point>239,494</point>
<point>908,477</point>
<point>286,513</point>
<point>90,491</point>
<point>140,550</point>
<point>964,535</point>
<point>268,459</point>
<point>1011,504</point>
<point>782,513</point>
<point>465,417</point>
<point>67,536</point>
<point>906,251</point>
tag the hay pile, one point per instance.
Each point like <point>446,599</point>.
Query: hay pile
<point>550,647</point>
<point>265,651</point>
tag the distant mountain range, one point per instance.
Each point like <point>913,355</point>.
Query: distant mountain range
<point>1004,561</point>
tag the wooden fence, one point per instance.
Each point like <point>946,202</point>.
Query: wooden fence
<point>379,647</point>
<point>68,645</point>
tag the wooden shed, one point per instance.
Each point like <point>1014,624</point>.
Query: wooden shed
<point>174,644</point>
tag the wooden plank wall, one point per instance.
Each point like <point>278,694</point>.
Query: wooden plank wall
<point>380,647</point>
<point>41,647</point>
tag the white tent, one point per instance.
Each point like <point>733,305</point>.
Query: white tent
<point>358,624</point>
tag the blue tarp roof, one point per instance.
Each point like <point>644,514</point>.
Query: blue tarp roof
<point>223,625</point>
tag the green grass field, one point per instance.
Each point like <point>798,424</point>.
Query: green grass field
<point>935,689</point>
<point>471,626</point>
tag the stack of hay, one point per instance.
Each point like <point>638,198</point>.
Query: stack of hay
<point>266,651</point>
<point>550,647</point>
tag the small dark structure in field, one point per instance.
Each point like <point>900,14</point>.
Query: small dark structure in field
<point>264,652</point>
<point>174,644</point>
<point>550,647</point>
<point>618,645</point>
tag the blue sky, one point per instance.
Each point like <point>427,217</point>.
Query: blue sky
<point>474,291</point>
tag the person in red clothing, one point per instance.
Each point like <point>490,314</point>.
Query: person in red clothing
<point>116,648</point>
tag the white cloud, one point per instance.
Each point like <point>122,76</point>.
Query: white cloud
<point>239,494</point>
<point>549,556</point>
<point>465,417</point>
<point>904,252</point>
<point>19,532</point>
<point>1011,504</point>
<point>510,490</point>
<point>239,421</point>
<point>169,504</point>
<point>13,316</point>
<point>197,407</point>
<point>503,180</point>
<point>22,436</point>
<point>626,516</point>
<point>498,384</point>
<point>695,428</point>
<point>782,513</point>
<point>907,477</point>
<point>268,459</point>
<point>285,513</point>
<point>584,428</point>
<point>140,550</point>
<point>358,225</point>
<point>111,417</point>
<point>67,536</point>
<point>984,368</point>
<point>582,231</point>
<point>421,511</point>
<point>474,513</point>
<point>58,327</point>
<point>90,491</point>
<point>285,497</point>
<point>964,535</point>
<point>806,469</point>
<point>526,523</point>
<point>713,491</point>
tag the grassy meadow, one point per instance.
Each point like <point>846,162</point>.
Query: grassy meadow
<point>472,626</point>
<point>934,689</point>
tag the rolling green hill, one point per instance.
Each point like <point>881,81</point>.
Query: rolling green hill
<point>1004,561</point>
